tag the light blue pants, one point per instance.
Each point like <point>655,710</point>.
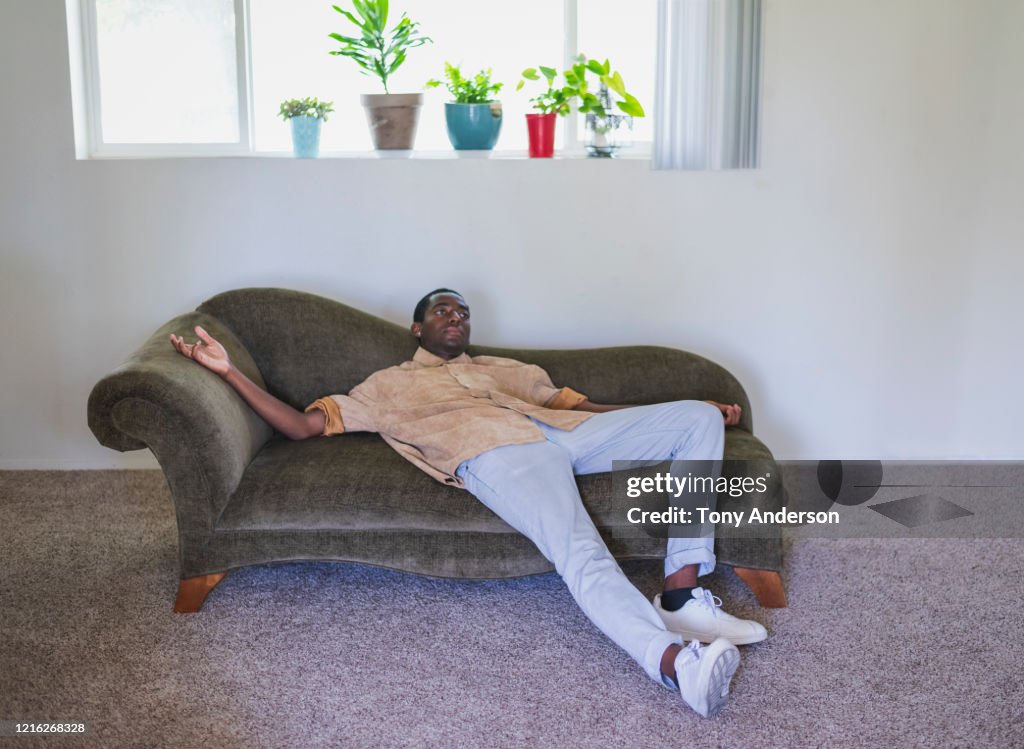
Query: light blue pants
<point>532,488</point>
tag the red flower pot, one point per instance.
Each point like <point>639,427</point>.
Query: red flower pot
<point>542,135</point>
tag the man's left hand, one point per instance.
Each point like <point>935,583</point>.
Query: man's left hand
<point>731,414</point>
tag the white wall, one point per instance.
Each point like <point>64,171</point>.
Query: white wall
<point>862,285</point>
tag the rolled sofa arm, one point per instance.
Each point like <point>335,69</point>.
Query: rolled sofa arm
<point>201,432</point>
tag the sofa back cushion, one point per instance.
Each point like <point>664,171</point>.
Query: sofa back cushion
<point>633,374</point>
<point>307,346</point>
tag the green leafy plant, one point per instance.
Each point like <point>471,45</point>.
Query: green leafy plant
<point>306,107</point>
<point>476,90</point>
<point>559,99</point>
<point>376,50</point>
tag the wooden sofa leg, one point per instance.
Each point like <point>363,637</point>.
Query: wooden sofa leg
<point>192,592</point>
<point>766,585</point>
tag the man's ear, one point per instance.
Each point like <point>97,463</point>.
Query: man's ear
<point>416,327</point>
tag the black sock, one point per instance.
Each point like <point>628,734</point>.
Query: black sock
<point>673,600</point>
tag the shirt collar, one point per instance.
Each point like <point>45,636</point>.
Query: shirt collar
<point>427,359</point>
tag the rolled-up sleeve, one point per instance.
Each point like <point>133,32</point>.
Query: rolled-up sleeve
<point>333,423</point>
<point>565,399</point>
<point>346,413</point>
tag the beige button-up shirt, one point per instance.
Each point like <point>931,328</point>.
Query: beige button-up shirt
<point>439,413</point>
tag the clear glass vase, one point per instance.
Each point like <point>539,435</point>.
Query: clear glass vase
<point>607,135</point>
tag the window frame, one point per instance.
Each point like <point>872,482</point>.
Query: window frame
<point>93,97</point>
<point>96,147</point>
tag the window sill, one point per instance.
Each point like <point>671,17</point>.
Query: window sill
<point>452,155</point>
<point>633,154</point>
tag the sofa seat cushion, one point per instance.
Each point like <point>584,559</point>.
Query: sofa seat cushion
<point>357,482</point>
<point>352,482</point>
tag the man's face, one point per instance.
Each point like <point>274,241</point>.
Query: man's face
<point>444,331</point>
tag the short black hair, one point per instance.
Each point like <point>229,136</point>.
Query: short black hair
<point>421,305</point>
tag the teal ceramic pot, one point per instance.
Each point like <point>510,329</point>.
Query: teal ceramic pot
<point>306,136</point>
<point>473,127</point>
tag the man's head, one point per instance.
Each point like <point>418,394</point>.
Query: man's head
<point>441,322</point>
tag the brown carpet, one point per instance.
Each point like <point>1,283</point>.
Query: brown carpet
<point>886,643</point>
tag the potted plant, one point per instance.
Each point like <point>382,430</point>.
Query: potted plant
<point>474,118</point>
<point>305,117</point>
<point>603,123</point>
<point>557,101</point>
<point>549,105</point>
<point>380,52</point>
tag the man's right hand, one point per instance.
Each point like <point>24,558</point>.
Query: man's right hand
<point>207,351</point>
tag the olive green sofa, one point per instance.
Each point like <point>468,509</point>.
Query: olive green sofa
<point>244,495</point>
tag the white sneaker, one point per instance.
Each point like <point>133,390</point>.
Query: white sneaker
<point>701,618</point>
<point>703,674</point>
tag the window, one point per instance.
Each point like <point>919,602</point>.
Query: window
<point>628,40</point>
<point>164,72</point>
<point>208,76</point>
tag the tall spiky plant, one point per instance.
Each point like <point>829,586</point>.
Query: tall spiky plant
<point>374,50</point>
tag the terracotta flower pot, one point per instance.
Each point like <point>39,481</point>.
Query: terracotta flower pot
<point>392,119</point>
<point>542,135</point>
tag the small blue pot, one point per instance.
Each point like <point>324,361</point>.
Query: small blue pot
<point>306,136</point>
<point>473,127</point>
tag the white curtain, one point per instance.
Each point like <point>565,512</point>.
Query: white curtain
<point>708,108</point>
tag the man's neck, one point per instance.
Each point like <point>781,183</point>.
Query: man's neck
<point>446,355</point>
